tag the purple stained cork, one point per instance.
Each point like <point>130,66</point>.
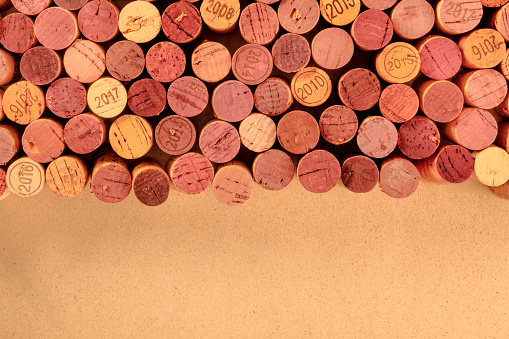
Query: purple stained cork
<point>56,28</point>
<point>111,180</point>
<point>66,97</point>
<point>258,24</point>
<point>84,133</point>
<point>125,60</point>
<point>17,33</point>
<point>188,96</point>
<point>252,64</point>
<point>359,89</point>
<point>377,137</point>
<point>219,141</point>
<point>43,140</point>
<point>191,173</point>
<point>398,103</point>
<point>166,61</point>
<point>318,171</point>
<point>399,178</point>
<point>298,132</point>
<point>30,7</point>
<point>372,30</point>
<point>273,169</point>
<point>291,52</point>
<point>151,184</point>
<point>338,124</point>
<point>175,135</point>
<point>71,5</point>
<point>273,97</point>
<point>98,20</point>
<point>441,57</point>
<point>332,48</point>
<point>232,101</point>
<point>449,164</point>
<point>441,101</point>
<point>3,182</point>
<point>233,183</point>
<point>181,22</point>
<point>40,65</point>
<point>147,97</point>
<point>359,173</point>
<point>9,143</point>
<point>418,138</point>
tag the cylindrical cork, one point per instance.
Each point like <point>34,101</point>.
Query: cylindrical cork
<point>273,169</point>
<point>233,184</point>
<point>340,13</point>
<point>181,22</point>
<point>175,135</point>
<point>67,175</point>
<point>151,184</point>
<point>252,64</point>
<point>257,132</point>
<point>499,21</point>
<point>503,108</point>
<point>146,97</point>
<point>491,166</point>
<point>311,86</point>
<point>291,52</point>
<point>40,65</point>
<point>30,7</point>
<point>457,16</point>
<point>191,173</point>
<point>98,20</point>
<point>412,19</point>
<point>139,21</point>
<point>2,115</point>
<point>56,28</point>
<point>440,100</point>
<point>418,138</point>
<point>211,61</point>
<point>219,141</point>
<point>17,33</point>
<point>377,137</point>
<point>298,132</point>
<point>43,140</point>
<point>338,124</point>
<point>449,164</point>
<point>318,171</point>
<point>493,3</point>
<point>398,62</point>
<point>372,30</point>
<point>359,89</point>
<point>482,48</point>
<point>399,178</point>
<point>332,48</point>
<point>483,88</point>
<point>9,143</point>
<point>273,97</point>
<point>440,57</point>
<point>125,60</point>
<point>298,16</point>
<point>84,133</point>
<point>110,180</point>
<point>166,61</point>
<point>107,97</point>
<point>232,101</point>
<point>131,136</point>
<point>7,67</point>
<point>4,190</point>
<point>23,102</point>
<point>220,16</point>
<point>258,24</point>
<point>85,61</point>
<point>398,103</point>
<point>25,177</point>
<point>66,97</point>
<point>71,5</point>
<point>502,139</point>
<point>501,191</point>
<point>379,4</point>
<point>187,96</point>
<point>359,173</point>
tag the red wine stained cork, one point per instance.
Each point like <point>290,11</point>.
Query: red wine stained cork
<point>219,141</point>
<point>273,96</point>
<point>332,48</point>
<point>482,48</point>
<point>30,7</point>
<point>412,19</point>
<point>379,4</point>
<point>84,133</point>
<point>440,57</point>
<point>232,101</point>
<point>359,89</point>
<point>291,52</point>
<point>501,191</point>
<point>43,140</point>
<point>257,132</point>
<point>491,166</point>
<point>7,67</point>
<point>70,5</point>
<point>484,88</point>
<point>499,21</point>
<point>151,184</point>
<point>147,97</point>
<point>23,102</point>
<point>258,24</point>
<point>298,132</point>
<point>273,169</point>
<point>220,16</point>
<point>110,179</point>
<point>440,100</point>
<point>67,175</point>
<point>98,20</point>
<point>66,97</point>
<point>458,16</point>
<point>181,22</point>
<point>25,177</point>
<point>17,33</point>
<point>131,136</point>
<point>191,173</point>
<point>298,16</point>
<point>233,184</point>
<point>166,61</point>
<point>125,60</point>
<point>56,28</point>
<point>9,143</point>
<point>252,64</point>
<point>40,65</point>
<point>449,164</point>
<point>399,178</point>
<point>493,3</point>
<point>187,96</point>
<point>502,139</point>
<point>85,61</point>
<point>311,86</point>
<point>418,138</point>
<point>377,137</point>
<point>107,97</point>
<point>211,61</point>
<point>359,173</point>
<point>398,103</point>
<point>474,129</point>
<point>372,30</point>
<point>338,124</point>
<point>318,171</point>
<point>139,21</point>
<point>340,12</point>
<point>2,115</point>
<point>4,190</point>
<point>398,63</point>
<point>175,135</point>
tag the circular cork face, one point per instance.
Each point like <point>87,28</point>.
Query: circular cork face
<point>71,5</point>
<point>151,184</point>
<point>25,177</point>
<point>17,33</point>
<point>56,28</point>
<point>359,173</point>
<point>259,24</point>
<point>85,61</point>
<point>9,143</point>
<point>291,52</point>
<point>257,132</point>
<point>298,132</point>
<point>84,133</point>
<point>298,16</point>
<point>482,48</point>
<point>491,166</point>
<point>474,129</point>
<point>187,96</point>
<point>23,102</point>
<point>7,68</point>
<point>440,57</point>
<point>377,137</point>
<point>67,175</point>
<point>399,178</point>
<point>340,13</point>
<point>332,48</point>
<point>125,60</point>
<point>318,171</point>
<point>252,64</point>
<point>338,124</point>
<point>379,4</point>
<point>219,141</point>
<point>4,190</point>
<point>146,97</point>
<point>66,97</point>
<point>398,63</point>
<point>98,20</point>
<point>175,135</point>
<point>166,61</point>
<point>211,61</point>
<point>220,16</point>
<point>273,169</point>
<point>359,89</point>
<point>40,65</point>
<point>192,173</point>
<point>273,97</point>
<point>181,22</point>
<point>233,184</point>
<point>441,101</point>
<point>107,97</point>
<point>232,101</point>
<point>139,21</point>
<point>30,7</point>
<point>110,181</point>
<point>458,16</point>
<point>418,138</point>
<point>412,19</point>
<point>484,88</point>
<point>493,3</point>
<point>43,140</point>
<point>311,86</point>
<point>454,164</point>
<point>131,136</point>
<point>499,21</point>
<point>398,103</point>
<point>372,30</point>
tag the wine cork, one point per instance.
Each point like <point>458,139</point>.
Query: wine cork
<point>491,166</point>
<point>311,86</point>
<point>84,133</point>
<point>220,16</point>
<point>398,62</point>
<point>98,20</point>
<point>4,190</point>
<point>268,2</point>
<point>298,132</point>
<point>501,191</point>
<point>504,65</point>
<point>175,135</point>
<point>318,171</point>
<point>332,48</point>
<point>474,129</point>
<point>146,97</point>
<point>418,138</point>
<point>166,61</point>
<point>493,3</point>
<point>7,67</point>
<point>458,16</point>
<point>440,100</point>
<point>232,101</point>
<point>110,179</point>
<point>377,137</point>
<point>70,5</point>
<point>43,140</point>
<point>291,52</point>
<point>379,4</point>
<point>107,97</point>
<point>211,61</point>
<point>187,96</point>
<point>359,89</point>
<point>56,28</point>
<point>399,178</point>
<point>131,136</point>
<point>257,132</point>
<point>151,184</point>
<point>67,175</point>
<point>9,143</point>
<point>298,16</point>
<point>338,124</point>
<point>498,20</point>
<point>233,184</point>
<point>398,103</point>
<point>449,164</point>
<point>30,7</point>
<point>219,141</point>
<point>23,102</point>
<point>125,60</point>
<point>273,97</point>
<point>139,21</point>
<point>273,169</point>
<point>484,88</point>
<point>503,108</point>
<point>440,57</point>
<point>40,65</point>
<point>191,173</point>
<point>66,97</point>
<point>482,48</point>
<point>2,115</point>
<point>17,34</point>
<point>25,177</point>
<point>258,24</point>
<point>252,64</point>
<point>340,12</point>
<point>359,173</point>
<point>412,19</point>
<point>502,139</point>
<point>372,30</point>
<point>85,61</point>
<point>181,22</point>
